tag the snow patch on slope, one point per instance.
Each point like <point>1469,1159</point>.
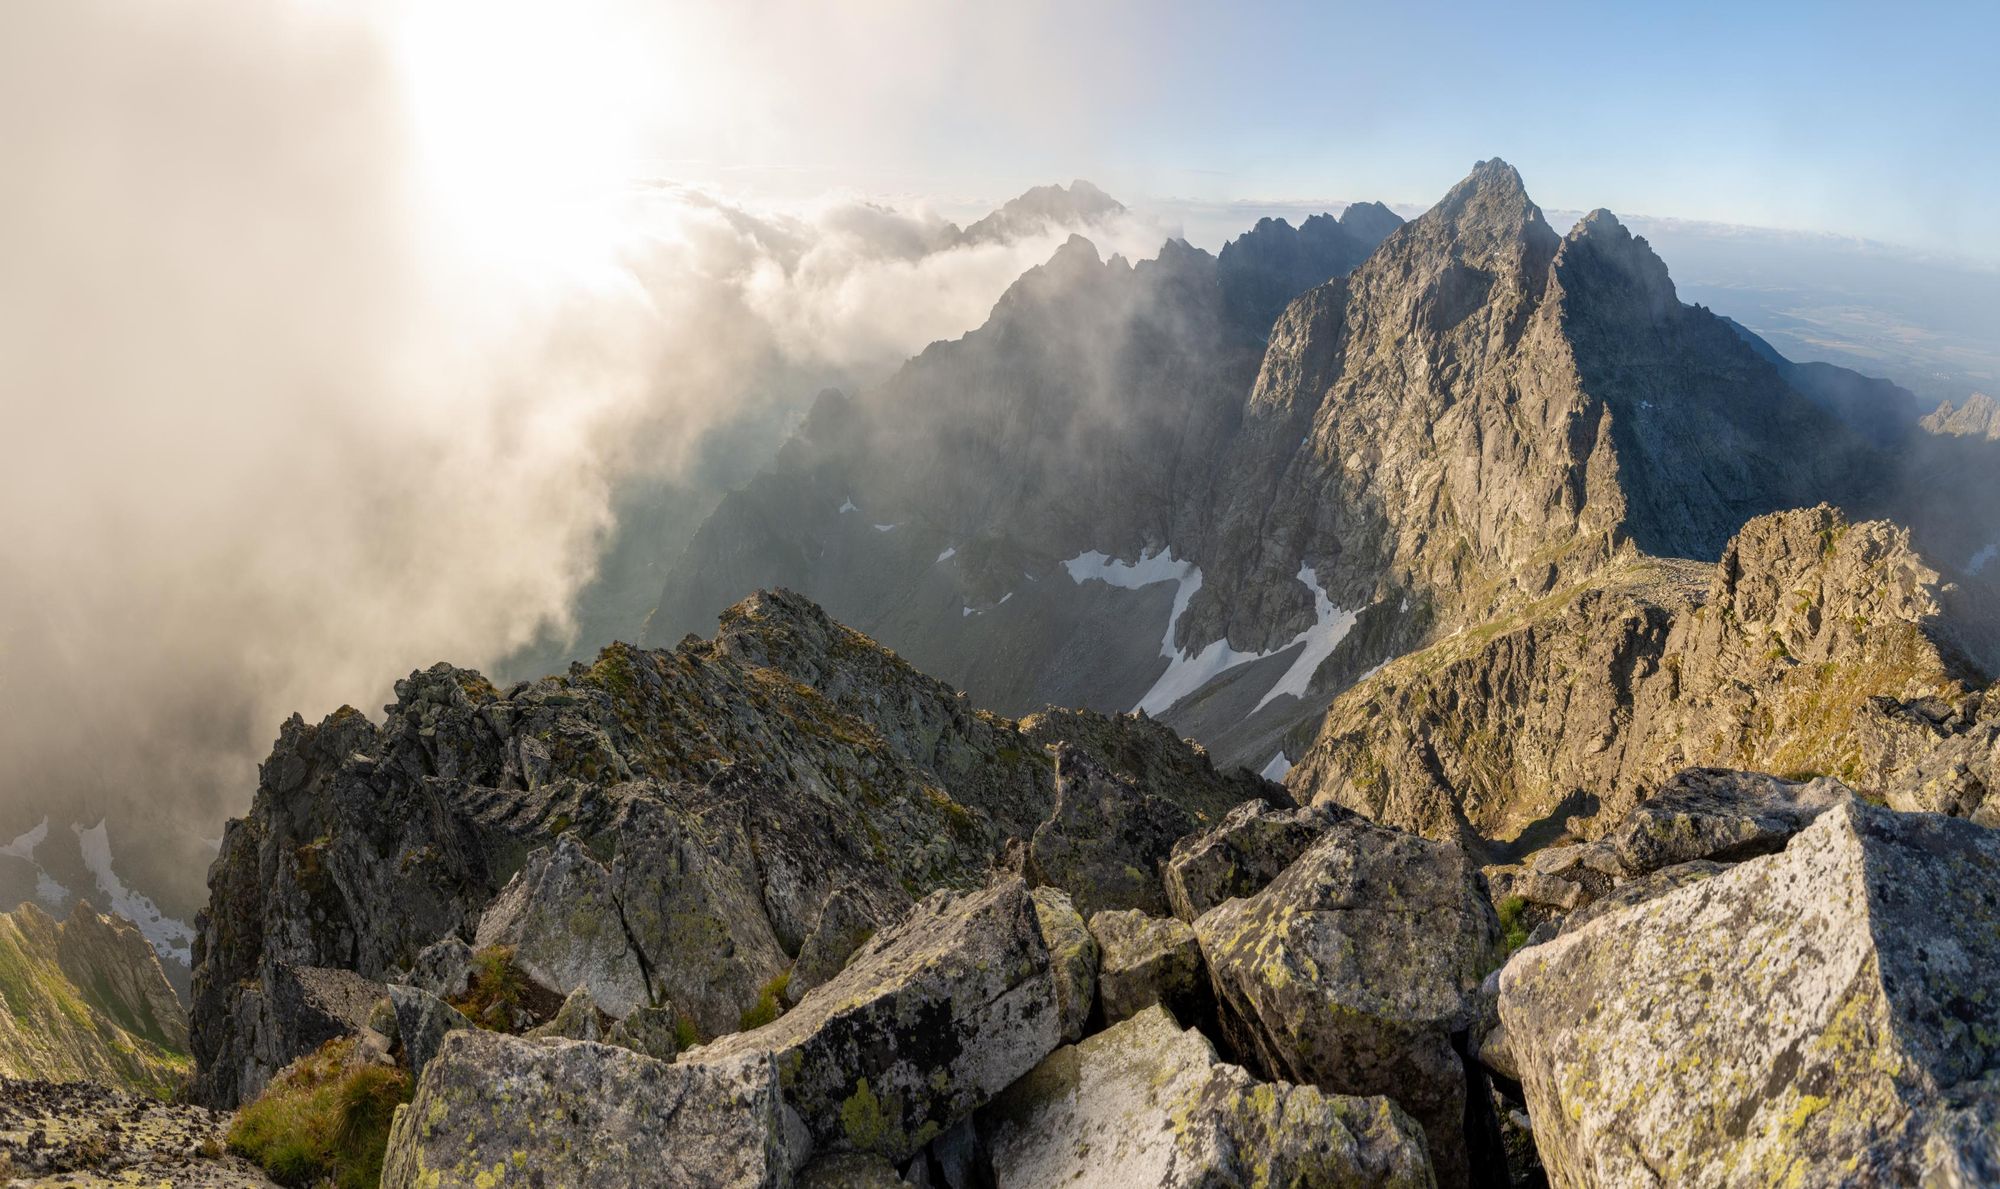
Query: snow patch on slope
<point>1983,558</point>
<point>1330,627</point>
<point>847,505</point>
<point>1185,674</point>
<point>883,528</point>
<point>950,551</point>
<point>170,938</point>
<point>52,894</point>
<point>1276,769</point>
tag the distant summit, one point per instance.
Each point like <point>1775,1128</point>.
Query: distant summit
<point>1044,209</point>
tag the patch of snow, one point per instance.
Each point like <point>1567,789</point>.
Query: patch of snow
<point>1029,577</point>
<point>883,528</point>
<point>23,846</point>
<point>1005,597</point>
<point>1981,559</point>
<point>965,611</point>
<point>1185,674</point>
<point>53,895</point>
<point>1370,673</point>
<point>170,938</point>
<point>950,551</point>
<point>847,505</point>
<point>1330,627</point>
<point>1276,769</point>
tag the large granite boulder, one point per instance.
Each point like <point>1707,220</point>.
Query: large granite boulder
<point>1825,1015</point>
<point>1719,814</point>
<point>1148,1103</point>
<point>1353,969</point>
<point>490,1109</point>
<point>1107,838</point>
<point>1247,849</point>
<point>421,1021</point>
<point>1146,960</point>
<point>928,1021</point>
<point>561,918</point>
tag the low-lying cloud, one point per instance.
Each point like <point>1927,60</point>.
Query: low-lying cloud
<point>276,432</point>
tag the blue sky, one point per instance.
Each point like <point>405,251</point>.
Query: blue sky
<point>1862,119</point>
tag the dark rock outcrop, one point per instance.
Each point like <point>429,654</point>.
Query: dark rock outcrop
<point>715,796</point>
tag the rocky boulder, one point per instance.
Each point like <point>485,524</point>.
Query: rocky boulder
<point>1106,840</point>
<point>1719,814</point>
<point>1148,1103</point>
<point>493,1108</point>
<point>1822,1015</point>
<point>1247,849</point>
<point>561,917</point>
<point>928,1021</point>
<point>1147,960</point>
<point>1353,970</point>
<point>420,1021</point>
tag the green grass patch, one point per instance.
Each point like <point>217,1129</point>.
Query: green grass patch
<point>324,1120</point>
<point>770,1002</point>
<point>1513,931</point>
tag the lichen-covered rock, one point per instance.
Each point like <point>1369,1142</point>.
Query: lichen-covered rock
<point>490,1109</point>
<point>651,1031</point>
<point>1649,886</point>
<point>1107,838</point>
<point>1073,957</point>
<point>422,1021</point>
<point>1147,1103</point>
<point>1354,968</point>
<point>561,918</point>
<point>845,922</point>
<point>1148,960</point>
<point>577,1019</point>
<point>444,968</point>
<point>928,1021</point>
<point>1237,856</point>
<point>1822,1015</point>
<point>1719,814</point>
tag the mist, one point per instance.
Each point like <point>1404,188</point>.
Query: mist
<point>290,413</point>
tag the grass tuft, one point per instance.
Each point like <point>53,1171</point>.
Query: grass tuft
<point>325,1119</point>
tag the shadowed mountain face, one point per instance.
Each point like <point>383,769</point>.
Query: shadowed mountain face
<point>1132,488</point>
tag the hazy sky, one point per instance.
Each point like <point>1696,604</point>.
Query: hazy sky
<point>1856,118</point>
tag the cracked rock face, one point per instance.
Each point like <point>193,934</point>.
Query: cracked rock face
<point>1148,960</point>
<point>927,1022</point>
<point>491,1108</point>
<point>1822,1015</point>
<point>560,916</point>
<point>1146,1103</point>
<point>1353,969</point>
<point>1107,838</point>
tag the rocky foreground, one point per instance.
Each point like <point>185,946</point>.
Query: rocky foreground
<point>777,909</point>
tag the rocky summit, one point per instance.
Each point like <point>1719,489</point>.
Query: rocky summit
<point>1635,823</point>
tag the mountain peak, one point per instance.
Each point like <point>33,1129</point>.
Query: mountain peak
<point>1047,208</point>
<point>1613,251</point>
<point>1490,208</point>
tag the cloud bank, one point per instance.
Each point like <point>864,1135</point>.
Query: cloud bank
<point>290,410</point>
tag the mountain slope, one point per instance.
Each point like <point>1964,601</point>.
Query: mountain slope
<point>86,1000</point>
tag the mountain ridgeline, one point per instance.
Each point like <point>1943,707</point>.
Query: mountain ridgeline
<point>1165,486</point>
<point>1635,822</point>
